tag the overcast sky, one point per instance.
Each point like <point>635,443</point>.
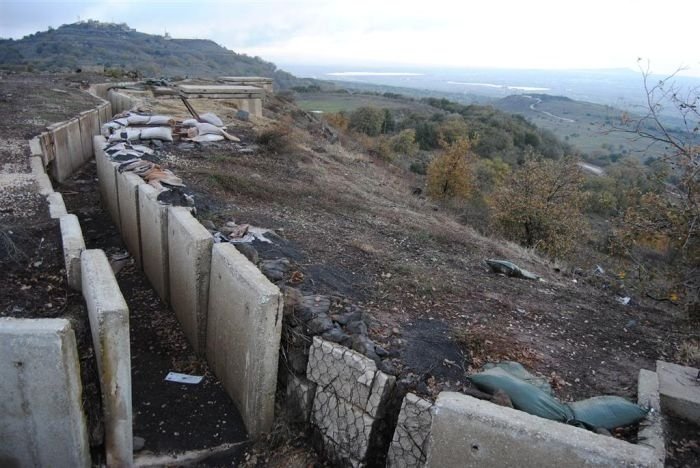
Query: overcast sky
<point>377,33</point>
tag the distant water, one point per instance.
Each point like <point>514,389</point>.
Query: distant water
<point>362,73</point>
<point>491,85</point>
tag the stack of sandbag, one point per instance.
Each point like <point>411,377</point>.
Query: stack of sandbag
<point>209,127</point>
<point>534,395</point>
<point>131,126</point>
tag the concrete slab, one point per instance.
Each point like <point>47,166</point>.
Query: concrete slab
<point>48,151</point>
<point>679,387</point>
<point>410,442</point>
<point>41,416</point>
<point>89,127</point>
<point>651,430</point>
<point>56,206</point>
<point>73,246</point>
<point>244,327</point>
<point>128,194</point>
<point>467,432</point>
<point>61,164</point>
<point>75,145</point>
<point>255,107</point>
<point>221,89</point>
<point>153,218</point>
<point>189,254</point>
<point>37,165</point>
<point>107,180</point>
<point>109,324</point>
<point>44,184</point>
<point>35,146</point>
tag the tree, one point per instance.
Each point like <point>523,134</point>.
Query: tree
<point>450,175</point>
<point>539,205</point>
<point>404,143</point>
<point>367,120</point>
<point>669,217</point>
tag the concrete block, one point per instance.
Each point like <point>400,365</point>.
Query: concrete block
<point>56,206</point>
<point>89,127</point>
<point>189,256</point>
<point>467,432</point>
<point>107,180</point>
<point>128,195</point>
<point>109,325</point>
<point>61,165</point>
<point>256,107</point>
<point>651,430</point>
<point>37,165</point>
<point>244,327</point>
<point>345,424</point>
<point>153,219</point>
<point>679,387</point>
<point>35,147</point>
<point>75,145</point>
<point>41,417</point>
<point>48,151</point>
<point>73,246</point>
<point>341,370</point>
<point>409,444</point>
<point>44,184</point>
<point>300,398</point>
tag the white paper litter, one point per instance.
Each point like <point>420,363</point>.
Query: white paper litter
<point>183,378</point>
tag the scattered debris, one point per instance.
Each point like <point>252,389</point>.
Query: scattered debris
<point>183,378</point>
<point>623,300</point>
<point>510,269</point>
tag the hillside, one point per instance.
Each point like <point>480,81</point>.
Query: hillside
<point>117,46</point>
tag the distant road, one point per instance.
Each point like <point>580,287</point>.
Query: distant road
<point>532,107</point>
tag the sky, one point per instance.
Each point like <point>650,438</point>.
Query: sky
<point>362,34</point>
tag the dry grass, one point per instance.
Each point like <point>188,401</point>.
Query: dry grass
<point>689,353</point>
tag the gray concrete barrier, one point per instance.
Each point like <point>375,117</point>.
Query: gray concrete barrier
<point>189,255</point>
<point>128,194</point>
<point>57,207</point>
<point>41,416</point>
<point>73,246</point>
<point>109,324</point>
<point>467,432</point>
<point>61,164</point>
<point>89,123</point>
<point>679,390</point>
<point>410,442</point>
<point>651,430</point>
<point>75,145</point>
<point>244,324</point>
<point>107,180</point>
<point>153,219</point>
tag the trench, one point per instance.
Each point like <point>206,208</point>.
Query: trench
<point>170,417</point>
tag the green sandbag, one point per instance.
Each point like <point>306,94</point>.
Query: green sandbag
<point>517,370</point>
<point>524,396</point>
<point>608,412</point>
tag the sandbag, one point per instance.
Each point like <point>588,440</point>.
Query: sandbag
<point>190,122</point>
<point>517,370</point>
<point>524,396</point>
<point>607,412</point>
<point>128,134</point>
<point>136,119</point>
<point>160,120</point>
<point>211,118</point>
<point>157,133</point>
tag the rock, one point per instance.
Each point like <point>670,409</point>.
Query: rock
<point>319,324</point>
<point>336,335</point>
<point>297,360</point>
<point>381,352</point>
<point>139,443</point>
<point>249,252</point>
<point>346,317</point>
<point>243,115</point>
<point>274,269</point>
<point>357,327</point>
<point>365,346</point>
<point>388,368</point>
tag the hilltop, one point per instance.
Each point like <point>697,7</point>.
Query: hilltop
<point>116,46</point>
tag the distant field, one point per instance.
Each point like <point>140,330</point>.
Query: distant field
<point>331,102</point>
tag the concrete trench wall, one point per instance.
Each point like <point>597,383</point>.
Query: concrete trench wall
<point>41,405</point>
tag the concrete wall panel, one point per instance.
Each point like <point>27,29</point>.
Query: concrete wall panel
<point>109,324</point>
<point>61,166</point>
<point>75,144</point>
<point>73,246</point>
<point>127,191</point>
<point>89,127</point>
<point>41,417</point>
<point>243,335</point>
<point>467,432</point>
<point>189,254</point>
<point>153,218</point>
<point>107,180</point>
